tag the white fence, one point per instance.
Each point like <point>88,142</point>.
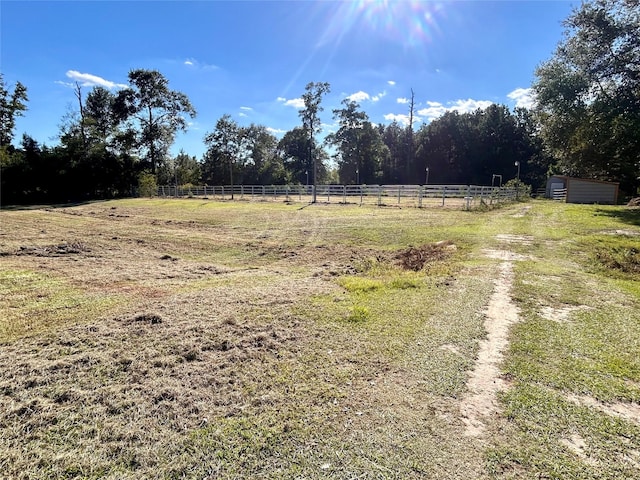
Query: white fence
<point>467,196</point>
<point>559,194</point>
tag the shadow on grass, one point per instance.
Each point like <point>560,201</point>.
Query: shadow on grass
<point>37,206</point>
<point>630,215</point>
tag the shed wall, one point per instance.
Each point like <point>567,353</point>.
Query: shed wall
<point>579,191</point>
<point>552,182</point>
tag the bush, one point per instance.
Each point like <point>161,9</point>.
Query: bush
<point>147,185</point>
<point>524,190</point>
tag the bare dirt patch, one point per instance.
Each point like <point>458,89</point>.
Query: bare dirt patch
<point>522,212</point>
<point>415,258</point>
<point>517,239</point>
<point>505,255</point>
<point>625,410</point>
<point>578,446</point>
<point>561,314</point>
<point>622,233</point>
<point>485,381</point>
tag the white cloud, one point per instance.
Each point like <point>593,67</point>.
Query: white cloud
<point>358,96</point>
<point>193,63</point>
<point>242,114</point>
<point>524,97</point>
<point>391,82</point>
<point>378,96</point>
<point>294,102</point>
<point>248,109</point>
<point>434,110</point>
<point>402,100</point>
<point>276,131</point>
<point>401,118</point>
<point>90,80</point>
<point>437,109</point>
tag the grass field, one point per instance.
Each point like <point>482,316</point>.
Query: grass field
<point>199,339</point>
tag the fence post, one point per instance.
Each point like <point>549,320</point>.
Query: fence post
<point>420,197</point>
<point>344,194</point>
<point>399,194</point>
<point>379,195</point>
<point>360,187</point>
<point>444,193</point>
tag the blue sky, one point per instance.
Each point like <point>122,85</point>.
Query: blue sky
<point>252,60</point>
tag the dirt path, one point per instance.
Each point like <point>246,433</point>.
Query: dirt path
<point>485,380</point>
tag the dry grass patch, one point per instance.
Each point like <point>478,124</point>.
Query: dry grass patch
<point>217,352</point>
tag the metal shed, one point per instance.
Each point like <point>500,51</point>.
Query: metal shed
<point>581,190</point>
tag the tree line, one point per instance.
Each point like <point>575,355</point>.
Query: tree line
<point>586,122</point>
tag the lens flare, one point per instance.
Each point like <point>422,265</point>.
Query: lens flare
<point>408,22</point>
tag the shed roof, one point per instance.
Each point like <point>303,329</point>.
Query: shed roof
<point>592,180</point>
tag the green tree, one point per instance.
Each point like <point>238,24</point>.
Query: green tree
<point>311,124</point>
<point>293,149</point>
<point>397,139</point>
<point>151,114</point>
<point>12,104</point>
<point>588,94</point>
<point>147,186</point>
<point>99,114</point>
<point>91,164</point>
<point>360,148</point>
<point>225,144</point>
<point>262,165</point>
<point>183,169</point>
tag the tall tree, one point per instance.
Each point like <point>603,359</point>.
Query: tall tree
<point>12,104</point>
<point>310,116</point>
<point>588,93</point>
<point>224,146</point>
<point>395,137</point>
<point>152,113</point>
<point>410,147</point>
<point>293,148</point>
<point>263,165</point>
<point>359,145</point>
<point>99,116</point>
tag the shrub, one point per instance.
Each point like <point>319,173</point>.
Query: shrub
<point>147,185</point>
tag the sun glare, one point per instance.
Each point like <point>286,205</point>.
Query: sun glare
<point>410,22</point>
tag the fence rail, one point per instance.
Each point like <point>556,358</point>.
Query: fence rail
<point>559,194</point>
<point>467,196</point>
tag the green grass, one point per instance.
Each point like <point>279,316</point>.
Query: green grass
<point>590,351</point>
<point>292,345</point>
<point>31,302</point>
